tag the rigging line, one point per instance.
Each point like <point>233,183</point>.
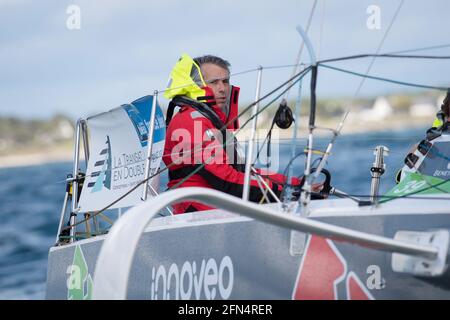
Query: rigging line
<point>430,184</point>
<point>423,49</point>
<point>384,55</point>
<point>243,72</point>
<point>85,235</point>
<point>287,182</point>
<point>302,153</point>
<point>352,139</point>
<point>240,73</point>
<point>287,66</point>
<point>319,47</point>
<point>386,79</point>
<point>269,133</point>
<point>189,85</point>
<point>299,54</point>
<point>207,148</point>
<point>300,75</point>
<point>424,177</point>
<point>341,124</point>
<point>395,197</point>
<point>202,165</point>
<point>417,191</point>
<point>387,198</point>
<point>95,213</point>
<point>273,122</point>
<point>380,45</point>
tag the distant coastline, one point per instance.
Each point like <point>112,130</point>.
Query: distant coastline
<point>65,153</point>
<point>35,142</point>
<point>35,158</point>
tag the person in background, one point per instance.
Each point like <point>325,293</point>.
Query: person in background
<point>440,124</point>
<point>442,117</point>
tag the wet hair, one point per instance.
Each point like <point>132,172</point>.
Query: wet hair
<point>224,64</point>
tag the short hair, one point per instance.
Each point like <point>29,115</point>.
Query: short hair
<point>213,60</point>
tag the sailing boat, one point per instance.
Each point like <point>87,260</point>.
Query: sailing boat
<point>393,246</point>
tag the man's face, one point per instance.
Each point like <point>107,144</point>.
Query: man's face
<point>218,79</point>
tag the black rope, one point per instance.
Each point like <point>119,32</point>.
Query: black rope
<point>386,79</point>
<point>383,55</point>
<point>439,46</point>
<point>298,75</point>
<point>313,102</point>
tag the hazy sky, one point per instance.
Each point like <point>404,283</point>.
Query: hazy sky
<point>125,49</point>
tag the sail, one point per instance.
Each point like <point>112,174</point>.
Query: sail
<point>118,142</point>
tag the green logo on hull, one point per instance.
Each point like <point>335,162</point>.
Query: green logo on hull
<point>79,283</point>
<point>415,183</point>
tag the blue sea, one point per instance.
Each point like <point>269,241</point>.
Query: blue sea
<point>31,199</point>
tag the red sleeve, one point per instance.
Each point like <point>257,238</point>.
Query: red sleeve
<point>218,171</point>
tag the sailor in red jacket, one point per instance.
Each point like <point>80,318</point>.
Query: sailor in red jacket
<point>198,149</point>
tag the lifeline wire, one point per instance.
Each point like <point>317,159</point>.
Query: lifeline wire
<point>248,108</point>
<point>439,46</point>
<point>380,45</point>
<point>341,124</point>
<point>387,55</point>
<point>384,55</point>
<point>300,74</point>
<point>386,79</point>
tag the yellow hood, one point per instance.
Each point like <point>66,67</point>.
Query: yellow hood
<point>185,79</point>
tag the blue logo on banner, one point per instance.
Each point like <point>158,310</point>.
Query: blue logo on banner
<point>139,113</point>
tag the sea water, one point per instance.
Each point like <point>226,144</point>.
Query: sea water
<point>31,199</point>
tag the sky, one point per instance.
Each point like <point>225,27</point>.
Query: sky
<point>106,53</point>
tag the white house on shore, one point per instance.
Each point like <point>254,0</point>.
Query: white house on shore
<point>422,110</point>
<point>425,109</point>
<point>380,110</point>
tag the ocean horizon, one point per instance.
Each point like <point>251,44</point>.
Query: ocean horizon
<point>31,198</point>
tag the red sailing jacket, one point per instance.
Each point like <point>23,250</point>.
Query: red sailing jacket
<point>191,130</point>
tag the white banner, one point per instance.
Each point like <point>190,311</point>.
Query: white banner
<point>117,154</point>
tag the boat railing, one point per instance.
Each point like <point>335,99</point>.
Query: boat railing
<point>110,125</point>
<point>120,245</point>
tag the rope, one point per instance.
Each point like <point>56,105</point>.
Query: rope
<point>319,47</point>
<point>386,79</point>
<point>383,55</point>
<point>439,46</point>
<point>390,198</point>
<point>380,45</point>
<point>300,74</point>
<point>344,118</point>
